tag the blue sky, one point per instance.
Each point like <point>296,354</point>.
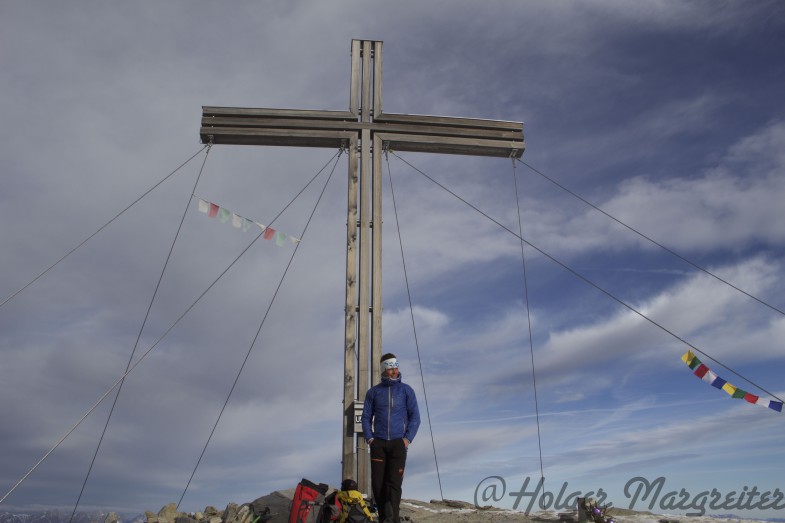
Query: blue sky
<point>668,115</point>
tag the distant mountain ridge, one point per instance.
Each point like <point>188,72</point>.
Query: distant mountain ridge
<point>57,516</point>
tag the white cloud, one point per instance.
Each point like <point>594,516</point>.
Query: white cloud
<point>730,207</point>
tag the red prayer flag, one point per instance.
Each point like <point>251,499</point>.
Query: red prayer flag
<point>213,210</point>
<point>269,233</point>
<point>752,398</point>
<point>701,370</point>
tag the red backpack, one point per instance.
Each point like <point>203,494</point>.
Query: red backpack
<point>308,502</point>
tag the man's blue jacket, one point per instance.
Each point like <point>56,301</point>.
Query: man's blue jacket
<point>392,406</point>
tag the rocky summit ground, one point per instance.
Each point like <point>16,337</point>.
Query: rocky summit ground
<point>420,512</point>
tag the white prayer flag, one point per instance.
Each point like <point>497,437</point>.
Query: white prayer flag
<point>204,206</point>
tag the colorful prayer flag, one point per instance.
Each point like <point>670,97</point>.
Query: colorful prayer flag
<point>773,405</point>
<point>213,210</point>
<point>704,373</point>
<point>709,377</point>
<point>690,359</point>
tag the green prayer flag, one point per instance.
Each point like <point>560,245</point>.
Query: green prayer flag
<point>738,393</point>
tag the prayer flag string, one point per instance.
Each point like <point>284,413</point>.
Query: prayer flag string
<point>704,373</point>
<point>214,210</point>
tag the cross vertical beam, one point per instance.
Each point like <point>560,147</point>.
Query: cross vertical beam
<point>367,181</point>
<point>365,129</point>
<point>350,312</point>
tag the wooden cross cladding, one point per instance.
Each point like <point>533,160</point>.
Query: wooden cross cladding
<point>366,130</point>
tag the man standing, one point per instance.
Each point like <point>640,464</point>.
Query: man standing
<point>390,421</point>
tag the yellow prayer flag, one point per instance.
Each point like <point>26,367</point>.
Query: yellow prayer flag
<point>688,357</point>
<point>730,389</point>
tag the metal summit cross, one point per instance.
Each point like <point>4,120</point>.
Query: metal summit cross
<point>365,131</point>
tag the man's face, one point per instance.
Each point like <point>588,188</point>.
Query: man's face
<point>391,373</point>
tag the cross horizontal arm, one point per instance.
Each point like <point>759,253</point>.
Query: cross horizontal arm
<point>289,127</point>
<point>283,127</point>
<point>420,143</point>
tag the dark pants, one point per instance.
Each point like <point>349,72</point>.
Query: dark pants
<point>388,459</point>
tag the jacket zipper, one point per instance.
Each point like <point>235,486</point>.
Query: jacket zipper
<point>389,409</point>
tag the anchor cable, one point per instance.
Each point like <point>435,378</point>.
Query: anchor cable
<point>154,345</point>
<point>259,330</point>
<point>66,255</point>
<point>590,282</point>
<point>655,242</point>
<point>528,318</point>
<point>139,335</point>
<point>414,327</point>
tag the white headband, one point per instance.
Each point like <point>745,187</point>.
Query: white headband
<point>391,363</point>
